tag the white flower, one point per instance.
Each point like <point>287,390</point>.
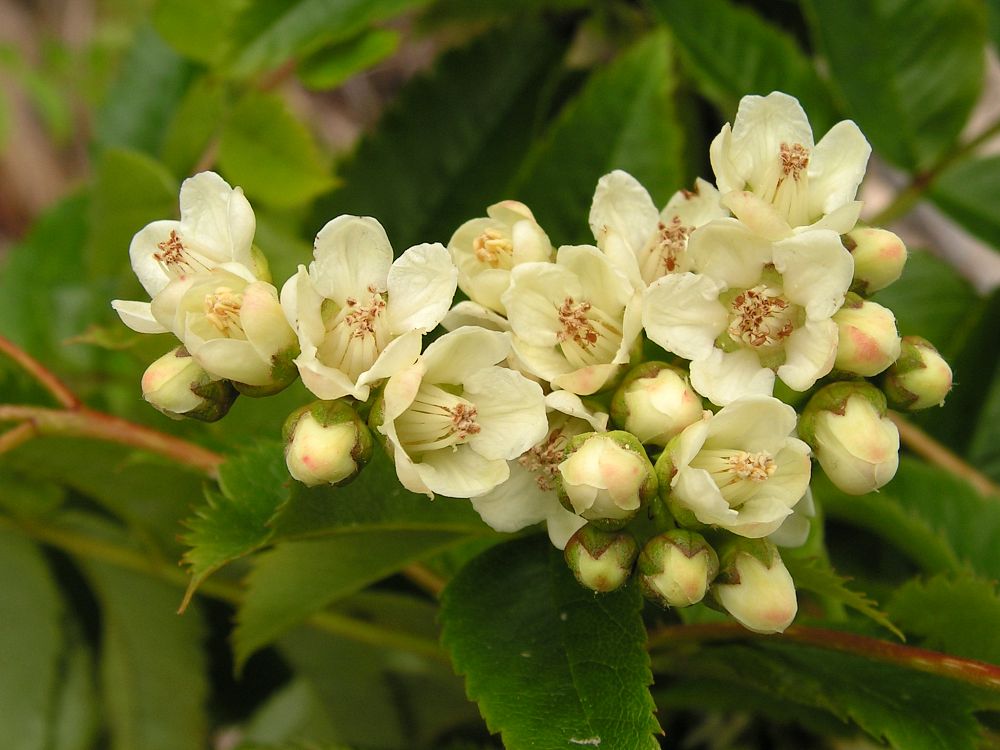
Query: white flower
<point>740,469</point>
<point>575,320</point>
<point>232,324</point>
<point>774,179</point>
<point>794,530</point>
<point>453,419</point>
<point>655,402</point>
<point>643,242</point>
<point>486,249</point>
<point>529,495</point>
<point>756,588</point>
<point>755,309</point>
<point>216,229</point>
<point>359,316</point>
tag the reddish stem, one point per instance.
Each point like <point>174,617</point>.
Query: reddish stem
<point>45,377</point>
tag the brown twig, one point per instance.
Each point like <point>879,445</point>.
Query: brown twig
<point>16,436</point>
<point>60,392</point>
<point>425,578</point>
<point>927,447</point>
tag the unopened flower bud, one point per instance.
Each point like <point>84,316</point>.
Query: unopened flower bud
<point>852,438</point>
<point>655,402</point>
<point>920,378</point>
<point>326,443</point>
<point>869,341</point>
<point>601,560</point>
<point>879,257</point>
<point>606,477</point>
<point>675,568</point>
<point>754,586</point>
<point>178,386</point>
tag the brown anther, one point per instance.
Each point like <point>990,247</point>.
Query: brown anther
<point>543,460</point>
<point>673,239</point>
<point>463,419</point>
<point>362,318</point>
<point>757,467</point>
<point>171,250</point>
<point>575,323</point>
<point>759,318</point>
<point>794,160</point>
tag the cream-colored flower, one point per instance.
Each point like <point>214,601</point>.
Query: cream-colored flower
<point>755,587</point>
<point>360,316</point>
<point>574,321</point>
<point>453,419</point>
<point>643,242</point>
<point>486,249</point>
<point>775,180</point>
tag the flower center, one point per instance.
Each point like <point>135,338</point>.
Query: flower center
<point>222,310</point>
<point>355,334</point>
<point>666,250</point>
<point>760,317</point>
<point>494,249</point>
<point>757,467</point>
<point>436,419</point>
<point>586,334</point>
<point>543,460</point>
<point>737,473</point>
<point>794,160</point>
<point>576,325</point>
<point>362,318</point>
<point>175,258</point>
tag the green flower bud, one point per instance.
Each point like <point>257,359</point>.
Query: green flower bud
<point>675,568</point>
<point>868,341</point>
<point>754,586</point>
<point>852,438</point>
<point>601,560</point>
<point>178,386</point>
<point>606,477</point>
<point>879,257</point>
<point>919,379</point>
<point>655,402</point>
<point>326,443</point>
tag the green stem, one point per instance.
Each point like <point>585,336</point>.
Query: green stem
<point>970,671</point>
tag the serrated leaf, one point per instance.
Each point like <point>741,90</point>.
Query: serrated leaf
<point>31,643</point>
<point>958,615</point>
<point>815,575</point>
<point>561,667</point>
<point>331,66</point>
<point>253,484</point>
<point>908,708</point>
<point>624,118</point>
<point>730,51</point>
<point>271,154</point>
<point>933,517</point>
<point>423,172</point>
<point>910,72</point>
<point>969,191</point>
<point>296,579</point>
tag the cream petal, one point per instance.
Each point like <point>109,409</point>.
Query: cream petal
<point>165,306</point>
<point>460,472</point>
<point>510,212</point>
<point>723,377</point>
<point>571,405</point>
<point>232,359</point>
<point>531,244</point>
<point>510,412</point>
<point>689,443</point>
<point>810,353</point>
<point>399,354</point>
<point>602,284</point>
<point>264,321</point>
<point>353,254</point>
<point>757,214</point>
<point>327,383</point>
<point>516,503</point>
<point>460,353</point>
<point>695,207</point>
<point>242,227</point>
<point>727,175</point>
<point>562,524</point>
<point>533,299</point>
<point>841,220</point>
<point>138,316</point>
<point>696,491</point>
<point>759,516</point>
<point>205,203</point>
<point>791,479</point>
<point>837,167</point>
<point>398,394</point>
<point>545,362</point>
<point>144,245</point>
<point>586,380</point>
<point>469,313</point>
<point>762,124</point>
<point>302,306</point>
<point>682,313</point>
<point>623,220</point>
<point>727,251</point>
<point>753,423</point>
<point>816,271</point>
<point>421,286</point>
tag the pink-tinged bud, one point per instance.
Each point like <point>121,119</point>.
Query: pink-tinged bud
<point>852,438</point>
<point>326,443</point>
<point>675,568</point>
<point>601,560</point>
<point>869,341</point>
<point>919,379</point>
<point>655,402</point>
<point>754,586</point>
<point>879,257</point>
<point>179,387</point>
<point>605,478</point>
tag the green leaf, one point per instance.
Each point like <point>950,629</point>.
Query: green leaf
<point>957,615</point>
<point>271,154</point>
<point>561,667</point>
<point>293,712</point>
<point>969,192</point>
<point>903,706</point>
<point>198,118</point>
<point>141,102</point>
<point>933,517</point>
<point>331,66</point>
<point>815,575</point>
<point>730,51</point>
<point>234,520</point>
<point>623,118</point>
<point>910,72</point>
<point>199,30</point>
<point>131,190</point>
<point>31,643</point>
<point>984,449</point>
<point>299,27</point>
<point>296,579</point>
<point>452,140</point>
<point>77,720</point>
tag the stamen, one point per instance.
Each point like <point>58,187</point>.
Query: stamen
<point>760,318</point>
<point>361,319</point>
<point>222,309</point>
<point>437,419</point>
<point>575,324</point>
<point>543,460</point>
<point>665,250</point>
<point>175,257</point>
<point>757,467</point>
<point>794,160</point>
<point>494,249</point>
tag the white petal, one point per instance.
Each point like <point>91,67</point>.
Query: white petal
<point>602,284</point>
<point>841,220</point>
<point>461,472</point>
<point>837,166</point>
<point>754,423</point>
<point>325,382</point>
<point>233,360</point>
<point>727,251</point>
<point>400,353</point>
<point>586,380</point>
<point>762,124</point>
<point>510,412</point>
<point>682,313</point>
<point>623,220</point>
<point>816,270</point>
<point>264,321</point>
<point>720,152</point>
<point>723,377</point>
<point>204,201</point>
<point>242,226</point>
<point>516,503</point>
<point>421,285</point>
<point>809,354</point>
<point>689,443</point>
<point>760,216</point>
<point>696,491</point>
<point>137,316</point>
<point>759,517</point>
<point>570,404</point>
<point>545,362</point>
<point>533,299</point>
<point>458,354</point>
<point>695,207</point>
<point>302,306</point>
<point>352,254</point>
<point>562,524</point>
<point>468,313</point>
<point>144,245</point>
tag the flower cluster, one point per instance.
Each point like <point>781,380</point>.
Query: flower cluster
<point>542,401</point>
